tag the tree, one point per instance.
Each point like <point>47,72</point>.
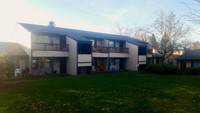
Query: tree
<point>140,33</point>
<point>6,66</point>
<point>170,34</point>
<point>194,11</point>
<point>195,45</point>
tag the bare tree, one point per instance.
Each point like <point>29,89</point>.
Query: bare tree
<point>124,30</point>
<point>195,45</point>
<point>194,11</point>
<point>140,33</point>
<point>170,34</point>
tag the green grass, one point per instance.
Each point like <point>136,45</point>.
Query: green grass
<point>121,92</point>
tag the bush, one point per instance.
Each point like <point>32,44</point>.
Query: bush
<point>162,69</point>
<point>6,66</point>
<point>192,71</point>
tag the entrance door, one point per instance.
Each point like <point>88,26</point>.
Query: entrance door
<point>63,65</point>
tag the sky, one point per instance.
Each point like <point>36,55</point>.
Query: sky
<point>92,15</point>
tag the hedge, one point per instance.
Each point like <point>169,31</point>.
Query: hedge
<point>162,69</point>
<point>192,71</point>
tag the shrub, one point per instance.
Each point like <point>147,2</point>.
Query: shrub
<point>6,66</point>
<point>192,71</point>
<point>162,69</point>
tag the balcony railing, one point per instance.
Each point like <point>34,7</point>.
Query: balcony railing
<point>49,47</point>
<point>118,50</point>
<point>149,51</point>
<point>99,49</point>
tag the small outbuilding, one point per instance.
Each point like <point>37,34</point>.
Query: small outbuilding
<point>190,58</point>
<point>15,52</point>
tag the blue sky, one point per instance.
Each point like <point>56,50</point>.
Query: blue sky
<point>93,15</point>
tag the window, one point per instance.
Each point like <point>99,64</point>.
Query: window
<point>94,43</point>
<point>50,40</point>
<point>111,44</point>
<point>84,70</point>
<point>38,39</point>
<point>84,48</point>
<point>142,50</point>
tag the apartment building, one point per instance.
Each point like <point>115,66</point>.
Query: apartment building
<point>55,50</point>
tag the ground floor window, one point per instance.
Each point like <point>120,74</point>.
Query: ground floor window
<point>84,70</point>
<point>41,66</point>
<point>142,67</point>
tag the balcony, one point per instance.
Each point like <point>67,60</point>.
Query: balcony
<point>109,51</point>
<point>100,49</point>
<point>118,50</point>
<point>50,50</point>
<point>149,53</point>
<point>49,47</point>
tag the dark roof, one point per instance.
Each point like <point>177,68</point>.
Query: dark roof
<point>156,55</point>
<point>190,55</point>
<point>12,49</point>
<point>80,35</point>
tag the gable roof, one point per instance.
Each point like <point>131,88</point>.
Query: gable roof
<point>156,55</point>
<point>190,55</point>
<point>80,35</point>
<point>12,49</point>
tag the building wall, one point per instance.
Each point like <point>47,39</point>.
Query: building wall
<point>84,60</point>
<point>142,59</point>
<point>72,60</point>
<point>132,61</point>
<point>119,55</point>
<point>50,54</point>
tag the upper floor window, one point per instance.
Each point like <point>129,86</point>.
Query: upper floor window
<point>142,50</point>
<point>111,44</point>
<point>50,39</point>
<point>84,48</point>
<point>94,42</point>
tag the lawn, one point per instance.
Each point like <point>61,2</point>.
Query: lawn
<point>123,92</point>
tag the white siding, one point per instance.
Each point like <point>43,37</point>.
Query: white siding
<point>72,60</point>
<point>50,54</point>
<point>132,61</point>
<point>142,58</point>
<point>142,62</point>
<point>84,58</point>
<point>84,64</point>
<point>102,55</point>
<point>118,55</point>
